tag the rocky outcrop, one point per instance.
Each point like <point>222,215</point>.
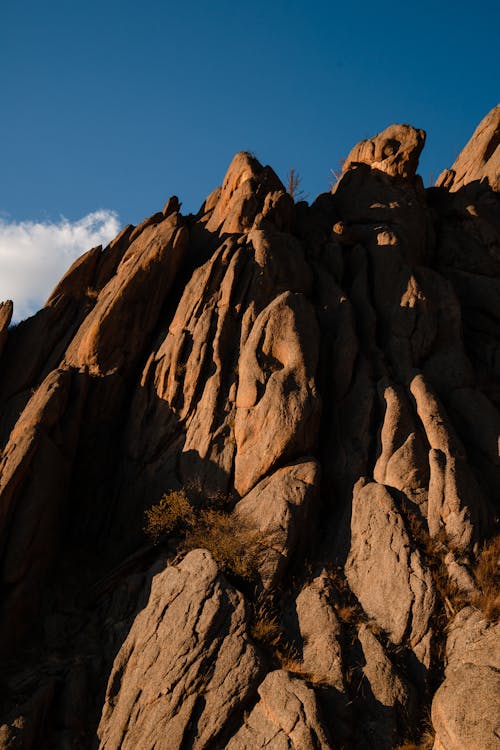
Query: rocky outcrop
<point>287,716</point>
<point>395,151</point>
<point>315,386</point>
<point>281,509</point>
<point>480,159</point>
<point>386,571</point>
<point>321,634</point>
<point>186,666</point>
<point>466,707</point>
<point>391,703</point>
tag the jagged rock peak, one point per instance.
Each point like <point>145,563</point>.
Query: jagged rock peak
<point>310,394</point>
<point>480,159</point>
<point>241,198</point>
<point>396,151</point>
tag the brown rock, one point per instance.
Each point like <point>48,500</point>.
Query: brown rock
<point>455,501</point>
<point>136,379</point>
<point>466,708</point>
<point>34,477</point>
<point>402,463</point>
<point>77,283</point>
<point>385,571</point>
<point>171,206</point>
<point>287,717</point>
<point>186,399</point>
<point>150,221</point>
<point>395,151</point>
<point>186,665</point>
<point>320,631</point>
<point>392,702</point>
<point>280,509</point>
<point>277,404</point>
<point>6,309</point>
<point>242,195</point>
<point>113,333</point>
<point>480,159</point>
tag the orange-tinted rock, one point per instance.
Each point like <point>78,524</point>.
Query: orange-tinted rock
<point>277,405</point>
<point>242,195</point>
<point>6,309</point>
<point>480,159</point>
<point>129,305</point>
<point>395,151</point>
<point>240,351</point>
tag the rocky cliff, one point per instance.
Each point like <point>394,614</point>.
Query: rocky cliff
<point>314,390</point>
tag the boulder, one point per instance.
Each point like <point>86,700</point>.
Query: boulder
<point>320,632</point>
<point>386,571</point>
<point>395,151</point>
<point>466,707</point>
<point>186,666</point>
<point>280,511</point>
<point>287,717</point>
<point>242,195</point>
<point>390,704</point>
<point>277,404</point>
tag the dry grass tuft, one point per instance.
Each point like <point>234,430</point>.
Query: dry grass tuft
<point>233,545</point>
<point>265,628</point>
<point>297,669</point>
<point>487,576</point>
<point>174,513</point>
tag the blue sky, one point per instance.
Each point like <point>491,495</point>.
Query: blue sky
<point>115,105</point>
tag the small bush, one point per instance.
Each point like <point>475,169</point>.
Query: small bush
<point>233,545</point>
<point>174,513</point>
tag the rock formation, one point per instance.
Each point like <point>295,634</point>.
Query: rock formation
<point>318,384</point>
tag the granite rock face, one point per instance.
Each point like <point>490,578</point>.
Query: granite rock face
<point>466,707</point>
<point>190,646</point>
<point>320,382</point>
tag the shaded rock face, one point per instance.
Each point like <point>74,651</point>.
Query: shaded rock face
<point>466,707</point>
<point>190,645</point>
<point>327,375</point>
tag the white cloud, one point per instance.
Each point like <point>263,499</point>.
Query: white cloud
<point>35,255</point>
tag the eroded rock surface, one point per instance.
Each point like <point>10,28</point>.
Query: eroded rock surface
<point>480,159</point>
<point>327,377</point>
<point>466,707</point>
<point>287,716</point>
<point>195,663</point>
<point>385,570</point>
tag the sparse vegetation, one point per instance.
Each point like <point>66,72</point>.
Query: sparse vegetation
<point>267,631</point>
<point>487,577</point>
<point>293,186</point>
<point>233,545</point>
<point>265,627</point>
<point>174,513</point>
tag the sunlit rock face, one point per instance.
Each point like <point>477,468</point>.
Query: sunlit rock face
<point>318,384</point>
